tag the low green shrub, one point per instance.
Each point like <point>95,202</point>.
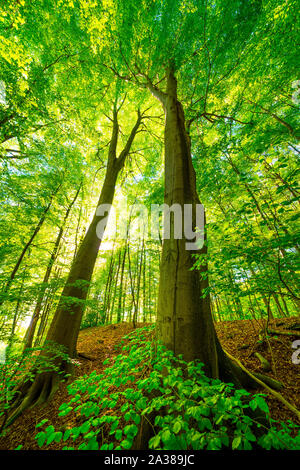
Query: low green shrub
<point>191,410</point>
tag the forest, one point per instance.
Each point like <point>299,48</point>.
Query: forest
<point>149,232</point>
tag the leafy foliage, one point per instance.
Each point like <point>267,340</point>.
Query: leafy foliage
<point>192,411</point>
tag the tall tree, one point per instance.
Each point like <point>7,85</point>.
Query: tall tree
<point>66,322</point>
<point>169,55</point>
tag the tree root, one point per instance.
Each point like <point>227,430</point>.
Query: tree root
<point>266,366</point>
<point>34,393</point>
<point>256,377</point>
<point>85,356</point>
<point>284,333</point>
<point>272,383</point>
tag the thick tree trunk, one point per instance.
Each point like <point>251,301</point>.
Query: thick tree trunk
<point>66,322</point>
<point>65,325</point>
<point>184,317</point>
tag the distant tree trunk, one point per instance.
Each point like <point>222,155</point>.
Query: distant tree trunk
<point>280,310</point>
<point>218,308</point>
<point>132,277</point>
<point>36,314</point>
<point>116,278</point>
<point>44,319</point>
<point>267,305</point>
<point>106,302</point>
<point>139,266</point>
<point>27,247</point>
<point>144,286</point>
<point>16,314</point>
<point>285,306</point>
<point>121,284</point>
<point>65,325</point>
<point>124,299</point>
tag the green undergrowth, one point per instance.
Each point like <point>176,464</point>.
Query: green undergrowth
<point>191,411</point>
<point>19,366</point>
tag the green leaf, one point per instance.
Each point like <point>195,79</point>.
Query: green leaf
<point>41,438</point>
<point>236,442</point>
<point>177,427</point>
<point>154,442</point>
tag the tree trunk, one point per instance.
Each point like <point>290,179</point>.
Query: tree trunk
<point>116,278</point>
<point>26,247</point>
<point>121,284</point>
<point>184,315</point>
<point>106,302</point>
<point>36,314</point>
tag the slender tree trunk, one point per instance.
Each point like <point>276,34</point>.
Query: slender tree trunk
<point>139,277</point>
<point>144,286</point>
<point>44,319</point>
<point>287,313</point>
<point>27,247</point>
<point>124,299</point>
<point>280,310</point>
<point>121,284</point>
<point>16,314</point>
<point>36,314</point>
<point>106,302</point>
<point>116,278</point>
<point>132,287</point>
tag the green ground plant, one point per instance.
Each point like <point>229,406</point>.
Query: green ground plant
<point>191,410</point>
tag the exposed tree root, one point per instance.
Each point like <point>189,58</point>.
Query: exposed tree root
<point>35,392</point>
<point>256,378</point>
<point>284,333</point>
<point>264,363</point>
<point>85,356</point>
<point>146,430</point>
<point>230,370</point>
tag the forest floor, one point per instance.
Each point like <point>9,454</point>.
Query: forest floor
<point>240,338</point>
